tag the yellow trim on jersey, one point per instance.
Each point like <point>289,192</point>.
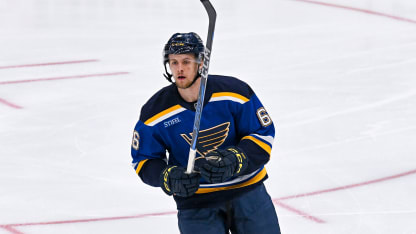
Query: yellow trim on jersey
<point>161,114</point>
<point>230,94</point>
<point>263,145</point>
<point>251,181</point>
<point>139,167</point>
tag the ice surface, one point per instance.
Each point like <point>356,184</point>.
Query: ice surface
<point>339,84</point>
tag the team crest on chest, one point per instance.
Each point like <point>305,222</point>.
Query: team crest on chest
<point>209,139</point>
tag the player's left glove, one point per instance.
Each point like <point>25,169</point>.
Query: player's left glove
<point>220,165</point>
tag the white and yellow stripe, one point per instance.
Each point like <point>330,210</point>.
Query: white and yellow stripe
<point>164,115</point>
<point>233,184</point>
<point>235,97</point>
<point>139,165</point>
<point>268,139</point>
<point>260,143</point>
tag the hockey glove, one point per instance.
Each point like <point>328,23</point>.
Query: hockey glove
<point>174,181</point>
<point>220,165</point>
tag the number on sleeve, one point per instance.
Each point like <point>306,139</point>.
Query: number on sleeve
<point>264,117</point>
<point>135,141</point>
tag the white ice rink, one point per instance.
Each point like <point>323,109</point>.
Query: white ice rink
<point>338,79</point>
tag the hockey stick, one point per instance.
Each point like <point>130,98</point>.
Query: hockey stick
<point>212,15</point>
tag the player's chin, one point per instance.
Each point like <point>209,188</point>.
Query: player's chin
<point>182,85</point>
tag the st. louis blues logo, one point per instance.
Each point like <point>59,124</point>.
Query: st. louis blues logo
<point>209,139</point>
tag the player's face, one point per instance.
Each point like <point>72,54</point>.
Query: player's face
<point>184,68</point>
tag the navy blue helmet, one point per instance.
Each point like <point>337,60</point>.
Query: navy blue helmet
<point>182,43</point>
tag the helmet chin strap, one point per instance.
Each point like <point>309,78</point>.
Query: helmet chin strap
<point>195,79</point>
<point>167,75</point>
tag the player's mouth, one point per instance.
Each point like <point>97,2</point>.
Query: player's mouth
<point>181,77</point>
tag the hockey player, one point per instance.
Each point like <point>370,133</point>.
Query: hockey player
<point>226,191</point>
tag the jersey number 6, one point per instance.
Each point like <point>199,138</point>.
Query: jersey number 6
<point>264,117</point>
<point>135,140</point>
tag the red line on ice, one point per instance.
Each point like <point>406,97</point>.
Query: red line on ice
<point>49,64</point>
<point>10,229</point>
<point>347,186</point>
<point>275,200</point>
<point>298,212</point>
<point>7,103</point>
<point>62,78</point>
<point>278,200</point>
<point>359,10</point>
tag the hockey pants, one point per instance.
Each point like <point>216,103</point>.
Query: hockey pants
<point>251,213</point>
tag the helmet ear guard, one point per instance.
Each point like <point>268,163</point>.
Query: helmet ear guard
<point>183,43</point>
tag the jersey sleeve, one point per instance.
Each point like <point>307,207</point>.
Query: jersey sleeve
<point>148,153</point>
<point>257,132</point>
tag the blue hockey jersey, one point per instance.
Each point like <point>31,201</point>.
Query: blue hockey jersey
<point>232,115</point>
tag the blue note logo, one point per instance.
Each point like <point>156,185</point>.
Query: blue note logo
<point>209,139</point>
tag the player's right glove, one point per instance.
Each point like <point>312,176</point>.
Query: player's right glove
<point>174,181</point>
<point>220,165</point>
